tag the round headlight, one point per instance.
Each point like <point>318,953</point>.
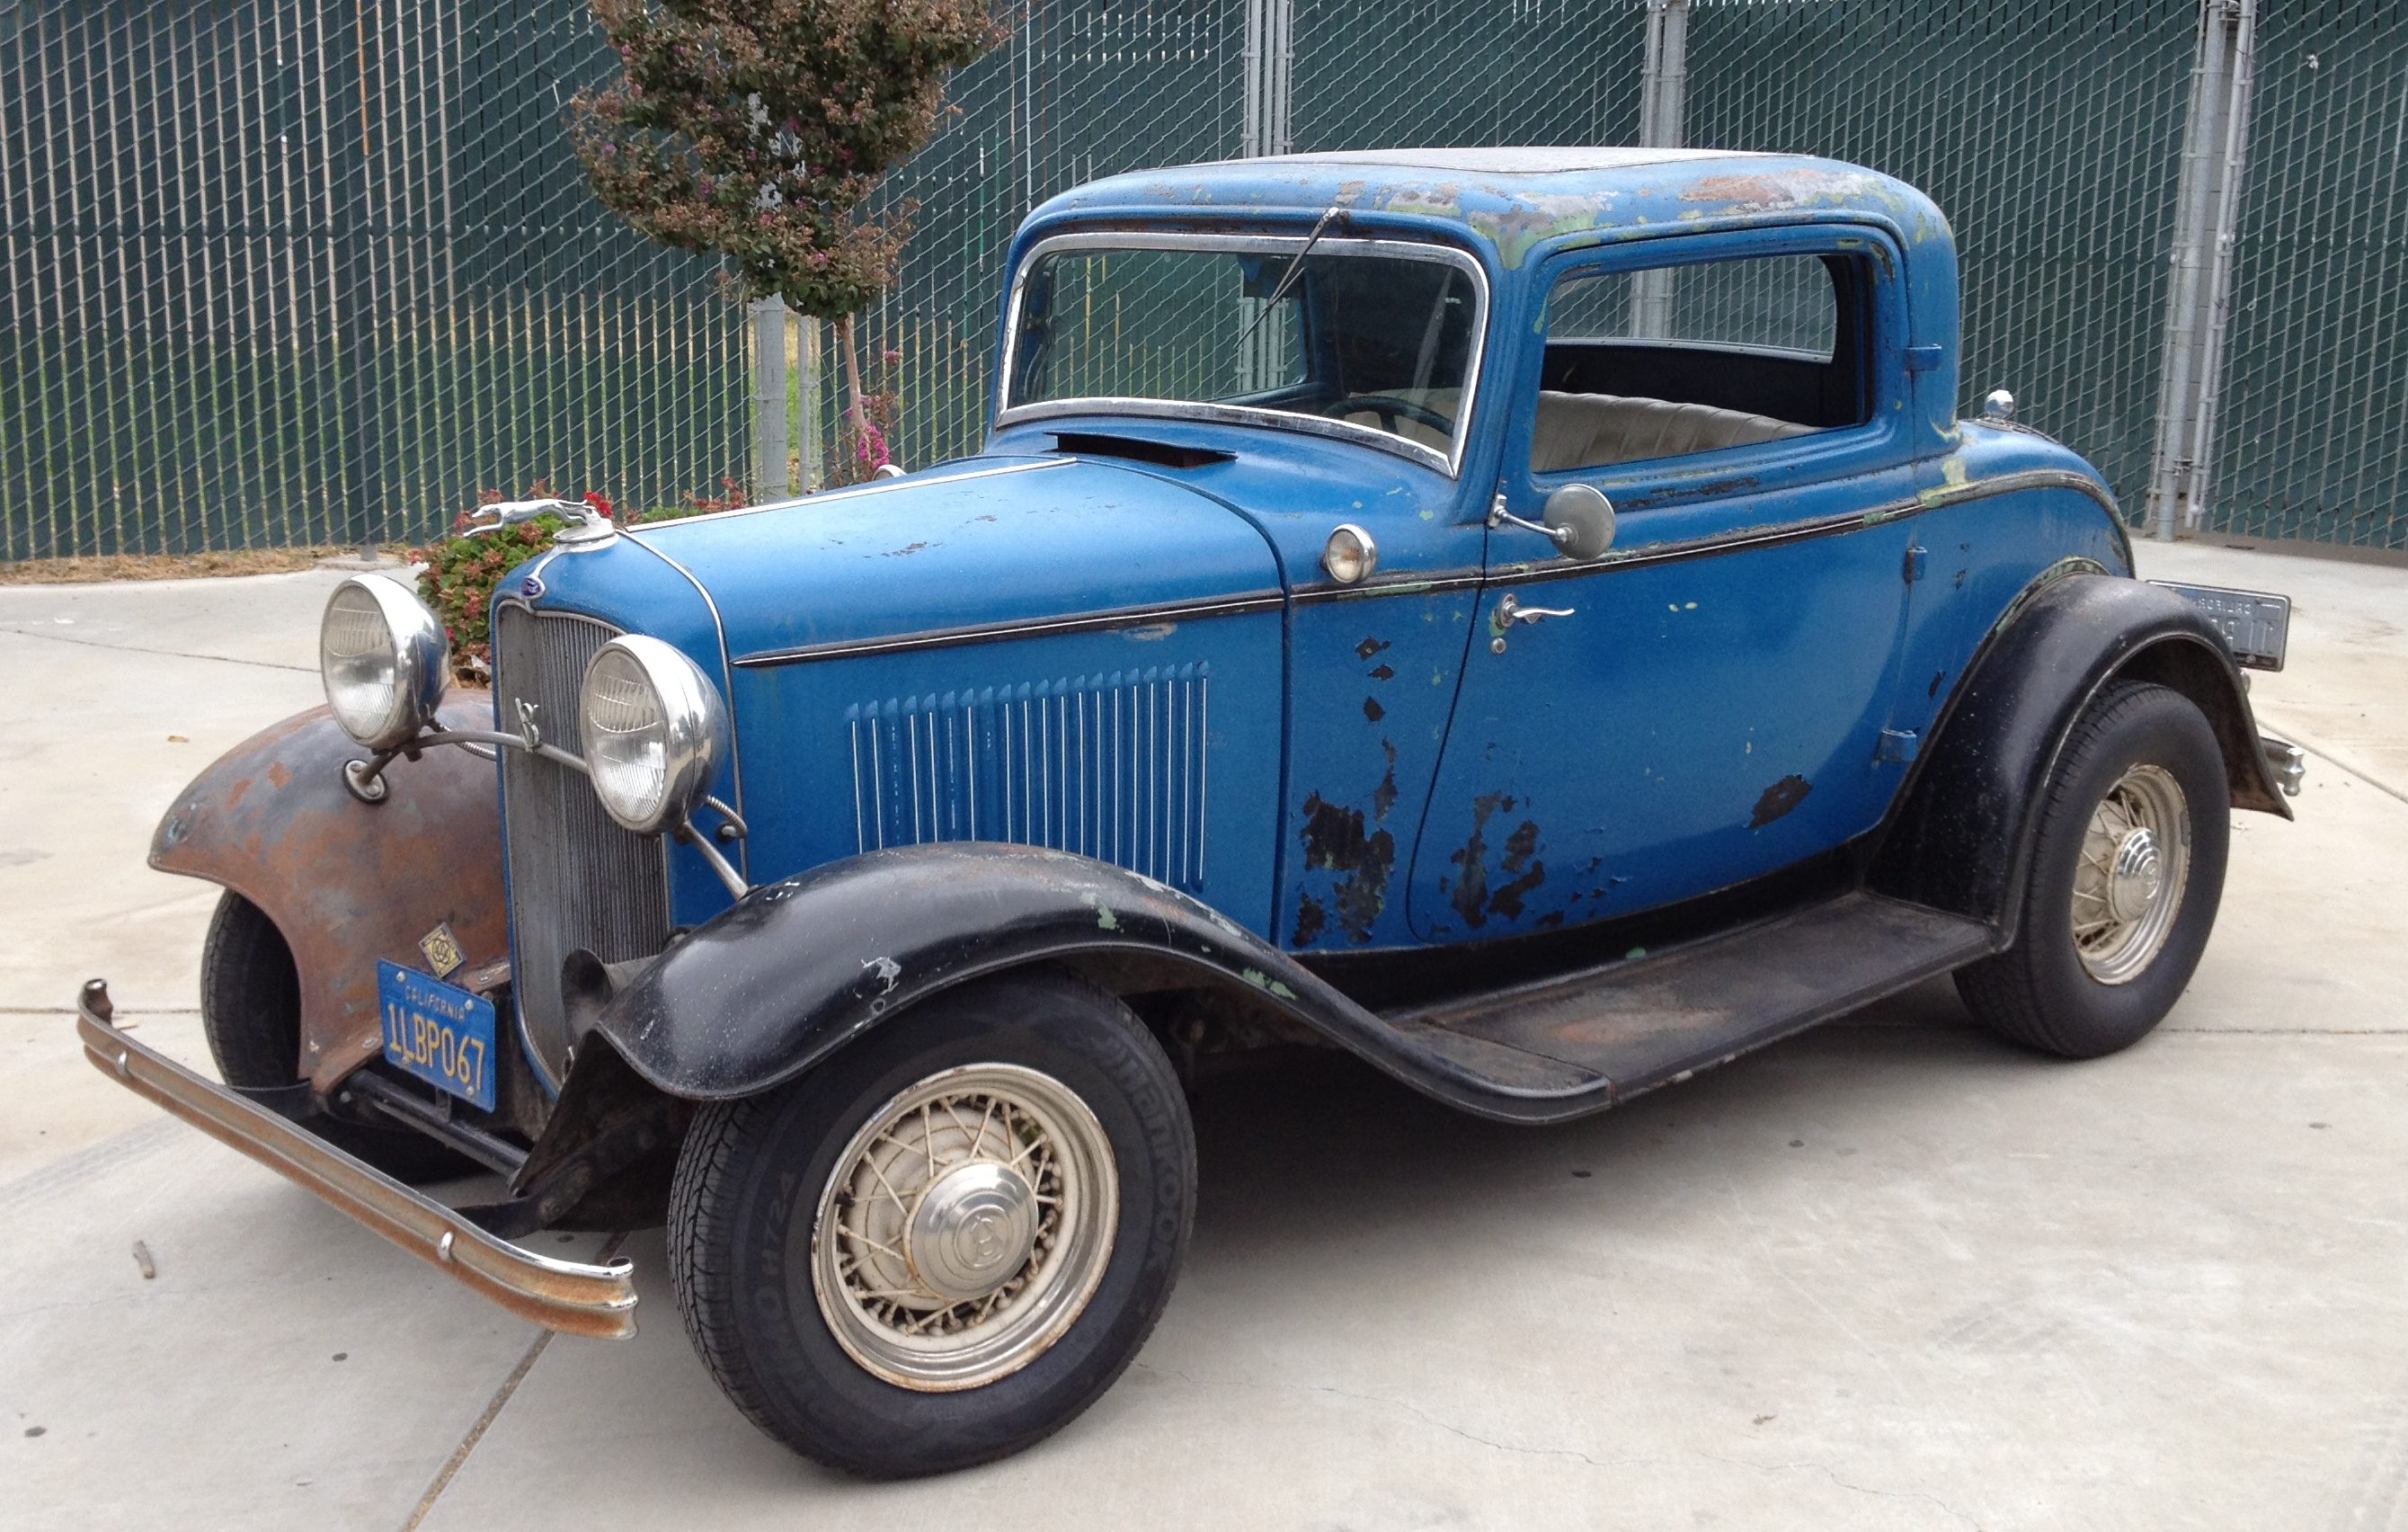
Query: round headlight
<point>654,730</point>
<point>1349,554</point>
<point>384,658</point>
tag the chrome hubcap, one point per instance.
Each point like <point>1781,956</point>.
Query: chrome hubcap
<point>964,1227</point>
<point>974,1230</point>
<point>2127,885</point>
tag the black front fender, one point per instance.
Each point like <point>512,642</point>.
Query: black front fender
<point>1963,832</point>
<point>798,969</point>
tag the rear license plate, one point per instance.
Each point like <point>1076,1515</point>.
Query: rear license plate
<point>2258,625</point>
<point>437,1031</point>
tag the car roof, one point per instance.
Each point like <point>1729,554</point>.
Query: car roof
<point>1511,197</point>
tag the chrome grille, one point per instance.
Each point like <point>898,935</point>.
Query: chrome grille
<point>1109,766</point>
<point>577,878</point>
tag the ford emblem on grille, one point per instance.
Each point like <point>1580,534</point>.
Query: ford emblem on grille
<point>532,587</point>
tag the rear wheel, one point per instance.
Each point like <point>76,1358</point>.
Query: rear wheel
<point>2126,871</point>
<point>943,1245</point>
<point>250,1011</point>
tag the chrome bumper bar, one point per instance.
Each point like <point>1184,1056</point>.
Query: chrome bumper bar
<point>564,1295</point>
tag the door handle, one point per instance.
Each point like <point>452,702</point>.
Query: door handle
<point>1511,611</point>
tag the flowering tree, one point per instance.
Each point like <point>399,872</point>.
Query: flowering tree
<point>757,130</point>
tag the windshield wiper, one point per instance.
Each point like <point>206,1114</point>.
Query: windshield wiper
<point>1287,278</point>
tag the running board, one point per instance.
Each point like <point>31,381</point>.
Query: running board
<point>1612,1032</point>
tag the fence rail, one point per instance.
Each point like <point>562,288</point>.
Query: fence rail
<point>276,273</point>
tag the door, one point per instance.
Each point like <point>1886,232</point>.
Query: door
<point>1704,703</point>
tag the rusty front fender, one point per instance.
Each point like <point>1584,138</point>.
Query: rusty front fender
<point>347,882</point>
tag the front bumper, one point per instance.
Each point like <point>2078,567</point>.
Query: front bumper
<point>564,1295</point>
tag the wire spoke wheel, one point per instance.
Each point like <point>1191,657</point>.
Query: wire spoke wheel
<point>2131,874</point>
<point>964,1227</point>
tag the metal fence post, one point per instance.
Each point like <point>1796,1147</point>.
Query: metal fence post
<point>807,356</point>
<point>2207,411</point>
<point>2189,291</point>
<point>1662,99</point>
<point>363,489</point>
<point>770,399</point>
<point>1270,73</point>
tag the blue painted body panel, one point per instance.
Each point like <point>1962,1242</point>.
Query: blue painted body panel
<point>1337,768</point>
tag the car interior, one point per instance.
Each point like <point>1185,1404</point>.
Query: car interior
<point>1675,360</point>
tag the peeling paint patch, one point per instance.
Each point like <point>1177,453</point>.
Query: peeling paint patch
<point>1779,799</point>
<point>1334,842</point>
<point>1105,918</point>
<point>1470,896</point>
<point>1384,674</point>
<point>1384,798</point>
<point>1521,850</point>
<point>1372,710</point>
<point>1310,919</point>
<point>1369,647</point>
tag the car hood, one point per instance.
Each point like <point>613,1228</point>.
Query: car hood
<point>976,543</point>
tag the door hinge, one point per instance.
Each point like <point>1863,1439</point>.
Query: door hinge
<point>1899,744</point>
<point>1914,562</point>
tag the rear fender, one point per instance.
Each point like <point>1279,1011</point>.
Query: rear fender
<point>796,970</point>
<point>1963,835</point>
<point>347,882</point>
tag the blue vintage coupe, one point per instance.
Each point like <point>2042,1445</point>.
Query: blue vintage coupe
<point>1533,618</point>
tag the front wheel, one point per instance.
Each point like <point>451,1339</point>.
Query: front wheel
<point>2127,870</point>
<point>943,1245</point>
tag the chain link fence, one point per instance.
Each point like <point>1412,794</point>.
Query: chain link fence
<point>2313,442</point>
<point>273,276</point>
<point>280,273</point>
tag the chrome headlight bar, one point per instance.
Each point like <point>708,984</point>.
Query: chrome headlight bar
<point>655,728</point>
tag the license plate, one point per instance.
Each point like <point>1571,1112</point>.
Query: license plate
<point>437,1031</point>
<point>2257,625</point>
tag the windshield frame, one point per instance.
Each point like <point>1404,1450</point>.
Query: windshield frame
<point>1449,462</point>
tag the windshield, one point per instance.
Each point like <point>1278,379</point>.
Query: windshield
<point>1376,335</point>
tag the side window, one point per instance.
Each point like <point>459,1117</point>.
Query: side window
<point>1681,359</point>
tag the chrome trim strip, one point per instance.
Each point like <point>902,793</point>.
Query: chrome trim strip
<point>644,531</point>
<point>1800,531</point>
<point>564,1295</point>
<point>1404,583</point>
<point>946,638</point>
<point>1449,463</point>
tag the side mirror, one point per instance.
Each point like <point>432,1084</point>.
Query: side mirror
<point>1581,519</point>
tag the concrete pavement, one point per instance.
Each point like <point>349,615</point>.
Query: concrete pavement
<point>1893,1273</point>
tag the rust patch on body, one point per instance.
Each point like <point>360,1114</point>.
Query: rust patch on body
<point>1309,919</point>
<point>1521,850</point>
<point>1384,798</point>
<point>1470,895</point>
<point>1779,799</point>
<point>1335,841</point>
<point>1384,674</point>
<point>346,882</point>
<point>1372,710</point>
<point>1369,647</point>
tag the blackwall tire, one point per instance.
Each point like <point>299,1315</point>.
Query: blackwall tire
<point>2126,871</point>
<point>251,1012</point>
<point>771,1278</point>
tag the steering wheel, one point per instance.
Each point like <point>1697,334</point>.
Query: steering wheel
<point>1388,406</point>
